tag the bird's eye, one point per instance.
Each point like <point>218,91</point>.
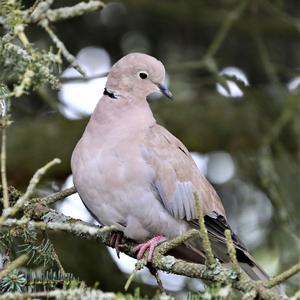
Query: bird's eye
<point>143,75</point>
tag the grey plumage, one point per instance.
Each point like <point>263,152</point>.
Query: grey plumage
<point>133,173</point>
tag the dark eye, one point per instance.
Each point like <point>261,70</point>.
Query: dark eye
<point>143,75</point>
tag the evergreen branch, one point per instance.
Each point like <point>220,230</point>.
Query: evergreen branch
<point>25,84</point>
<point>50,278</point>
<point>21,260</point>
<point>74,294</point>
<point>39,254</point>
<point>16,61</point>
<point>30,189</point>
<point>12,282</point>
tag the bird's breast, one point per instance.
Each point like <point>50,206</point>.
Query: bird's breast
<point>115,185</point>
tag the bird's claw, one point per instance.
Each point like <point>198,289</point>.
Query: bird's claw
<point>115,241</point>
<point>151,245</point>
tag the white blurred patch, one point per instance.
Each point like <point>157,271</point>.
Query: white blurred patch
<point>201,161</point>
<point>79,98</point>
<point>294,83</point>
<point>126,264</point>
<point>234,89</point>
<point>72,206</point>
<point>255,216</point>
<point>220,167</point>
<point>250,213</point>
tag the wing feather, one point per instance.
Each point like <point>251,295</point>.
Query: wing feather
<point>177,178</point>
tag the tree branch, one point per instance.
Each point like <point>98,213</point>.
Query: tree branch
<point>211,261</point>
<point>283,276</point>
<point>52,220</point>
<point>30,189</point>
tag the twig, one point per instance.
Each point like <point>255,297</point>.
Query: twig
<point>14,264</point>
<point>225,27</point>
<point>232,252</point>
<point>140,264</point>
<point>289,112</point>
<point>210,259</point>
<point>25,83</point>
<point>19,31</point>
<point>76,227</point>
<point>60,45</point>
<point>4,122</point>
<point>207,61</point>
<point>264,56</point>
<point>3,170</point>
<point>169,245</point>
<point>39,11</point>
<point>30,189</point>
<point>58,196</point>
<point>79,9</point>
<point>288,19</point>
<point>71,79</point>
<point>283,276</point>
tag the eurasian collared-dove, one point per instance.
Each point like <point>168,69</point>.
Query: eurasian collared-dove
<point>133,173</point>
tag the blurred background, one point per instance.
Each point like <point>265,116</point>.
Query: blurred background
<point>234,70</point>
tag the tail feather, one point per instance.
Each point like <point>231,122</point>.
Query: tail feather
<point>255,272</point>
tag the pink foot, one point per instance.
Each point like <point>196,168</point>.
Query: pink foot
<point>115,241</point>
<point>151,245</point>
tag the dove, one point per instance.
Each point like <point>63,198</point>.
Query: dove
<point>132,173</point>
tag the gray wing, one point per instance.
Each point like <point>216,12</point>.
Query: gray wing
<point>177,177</point>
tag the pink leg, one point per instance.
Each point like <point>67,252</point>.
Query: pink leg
<point>151,245</point>
<point>115,240</point>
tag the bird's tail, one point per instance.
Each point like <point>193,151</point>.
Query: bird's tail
<point>254,271</point>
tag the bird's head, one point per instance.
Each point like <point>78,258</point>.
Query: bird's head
<point>137,74</point>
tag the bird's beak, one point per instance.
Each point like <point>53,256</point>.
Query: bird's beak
<point>165,91</point>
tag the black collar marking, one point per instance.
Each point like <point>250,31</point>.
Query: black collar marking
<point>109,94</point>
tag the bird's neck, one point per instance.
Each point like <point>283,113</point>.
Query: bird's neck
<point>120,115</point>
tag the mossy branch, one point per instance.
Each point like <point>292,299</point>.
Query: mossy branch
<point>52,220</point>
<point>232,252</point>
<point>43,11</point>
<point>276,280</point>
<point>29,191</point>
<point>211,261</point>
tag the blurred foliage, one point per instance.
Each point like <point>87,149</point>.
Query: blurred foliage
<point>195,40</point>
